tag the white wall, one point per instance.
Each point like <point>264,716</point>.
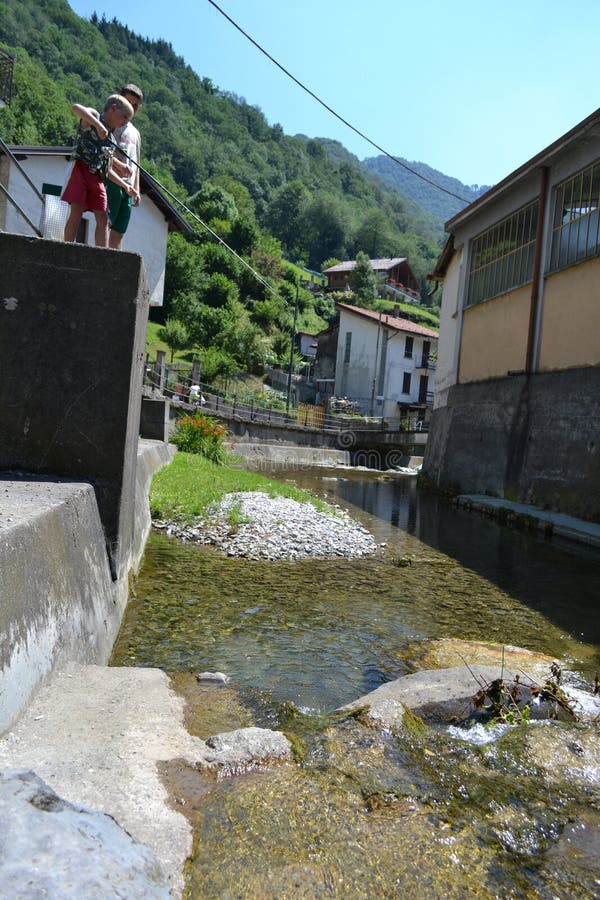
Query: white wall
<point>446,373</point>
<point>356,379</point>
<point>146,235</point>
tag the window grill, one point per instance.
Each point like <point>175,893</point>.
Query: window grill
<point>502,256</point>
<point>575,229</point>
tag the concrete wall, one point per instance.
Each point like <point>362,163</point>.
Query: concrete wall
<point>58,600</point>
<point>530,439</point>
<point>72,337</point>
<point>146,235</point>
<point>571,317</point>
<point>494,336</point>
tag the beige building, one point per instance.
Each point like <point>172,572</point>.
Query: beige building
<point>520,330</point>
<point>521,269</point>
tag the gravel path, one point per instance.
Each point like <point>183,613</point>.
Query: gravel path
<point>276,528</point>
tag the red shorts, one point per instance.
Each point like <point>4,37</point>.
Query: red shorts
<point>86,189</point>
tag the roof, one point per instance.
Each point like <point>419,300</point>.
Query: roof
<point>443,261</point>
<point>148,185</point>
<point>377,264</point>
<point>543,158</point>
<point>392,322</point>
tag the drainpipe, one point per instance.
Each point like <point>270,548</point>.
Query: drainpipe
<point>537,263</point>
<point>372,407</point>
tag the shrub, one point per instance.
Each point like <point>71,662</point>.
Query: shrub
<point>201,434</point>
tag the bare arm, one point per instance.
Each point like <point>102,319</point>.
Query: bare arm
<point>122,168</point>
<point>90,117</point>
<point>123,184</point>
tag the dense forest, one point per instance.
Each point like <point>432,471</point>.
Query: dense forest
<point>274,198</point>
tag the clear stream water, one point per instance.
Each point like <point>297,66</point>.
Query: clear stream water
<point>368,814</point>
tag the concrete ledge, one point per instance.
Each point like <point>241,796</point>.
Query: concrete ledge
<point>96,736</point>
<point>58,599</point>
<point>292,457</point>
<point>552,523</point>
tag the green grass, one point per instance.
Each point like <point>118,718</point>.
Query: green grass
<point>413,310</point>
<point>184,489</point>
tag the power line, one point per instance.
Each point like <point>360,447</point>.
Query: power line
<point>333,112</point>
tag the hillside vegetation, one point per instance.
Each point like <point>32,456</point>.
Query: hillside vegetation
<point>439,204</point>
<point>272,197</point>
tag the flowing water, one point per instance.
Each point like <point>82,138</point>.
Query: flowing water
<point>364,813</point>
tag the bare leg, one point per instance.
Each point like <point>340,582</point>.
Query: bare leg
<point>101,233</point>
<point>115,239</point>
<point>72,223</point>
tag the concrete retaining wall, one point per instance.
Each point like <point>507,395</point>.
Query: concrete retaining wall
<point>58,599</point>
<point>535,440</point>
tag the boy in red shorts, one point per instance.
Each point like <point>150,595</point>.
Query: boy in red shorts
<point>93,154</point>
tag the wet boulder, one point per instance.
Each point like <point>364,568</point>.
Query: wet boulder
<point>244,749</point>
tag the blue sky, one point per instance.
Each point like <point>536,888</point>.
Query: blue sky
<point>471,88</point>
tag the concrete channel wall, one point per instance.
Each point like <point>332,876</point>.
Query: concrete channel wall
<point>59,602</point>
<point>531,439</point>
<point>73,482</point>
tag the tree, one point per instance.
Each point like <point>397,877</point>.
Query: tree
<point>373,235</point>
<point>325,224</point>
<point>363,280</point>
<point>213,202</point>
<point>285,211</point>
<point>175,335</point>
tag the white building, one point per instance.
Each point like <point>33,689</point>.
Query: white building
<point>48,169</point>
<point>384,363</point>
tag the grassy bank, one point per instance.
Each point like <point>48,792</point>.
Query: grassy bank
<point>184,489</point>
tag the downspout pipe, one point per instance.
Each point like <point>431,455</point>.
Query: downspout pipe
<point>537,274</point>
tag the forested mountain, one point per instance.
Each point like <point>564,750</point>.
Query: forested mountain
<point>271,196</point>
<point>441,205</point>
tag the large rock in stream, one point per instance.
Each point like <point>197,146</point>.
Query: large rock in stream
<point>443,694</point>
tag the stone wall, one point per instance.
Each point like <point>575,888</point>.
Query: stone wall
<point>533,439</point>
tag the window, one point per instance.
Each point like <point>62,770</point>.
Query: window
<point>406,383</point>
<point>575,225</point>
<point>347,347</point>
<point>408,347</point>
<point>502,256</point>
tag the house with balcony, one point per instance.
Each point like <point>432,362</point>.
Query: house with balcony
<point>385,363</point>
<point>517,397</point>
<point>392,274</point>
<point>36,183</point>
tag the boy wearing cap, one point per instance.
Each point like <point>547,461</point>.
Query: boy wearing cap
<point>126,164</point>
<point>93,154</point>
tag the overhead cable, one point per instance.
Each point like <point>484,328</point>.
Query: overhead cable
<point>333,112</point>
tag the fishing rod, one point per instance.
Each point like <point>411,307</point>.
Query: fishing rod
<point>191,213</point>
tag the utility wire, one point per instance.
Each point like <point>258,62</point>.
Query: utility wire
<point>333,112</point>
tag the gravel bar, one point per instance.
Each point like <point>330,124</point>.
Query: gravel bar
<point>254,525</point>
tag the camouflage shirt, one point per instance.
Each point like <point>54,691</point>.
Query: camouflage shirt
<point>92,150</point>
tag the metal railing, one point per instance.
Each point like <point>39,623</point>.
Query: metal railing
<point>180,383</point>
